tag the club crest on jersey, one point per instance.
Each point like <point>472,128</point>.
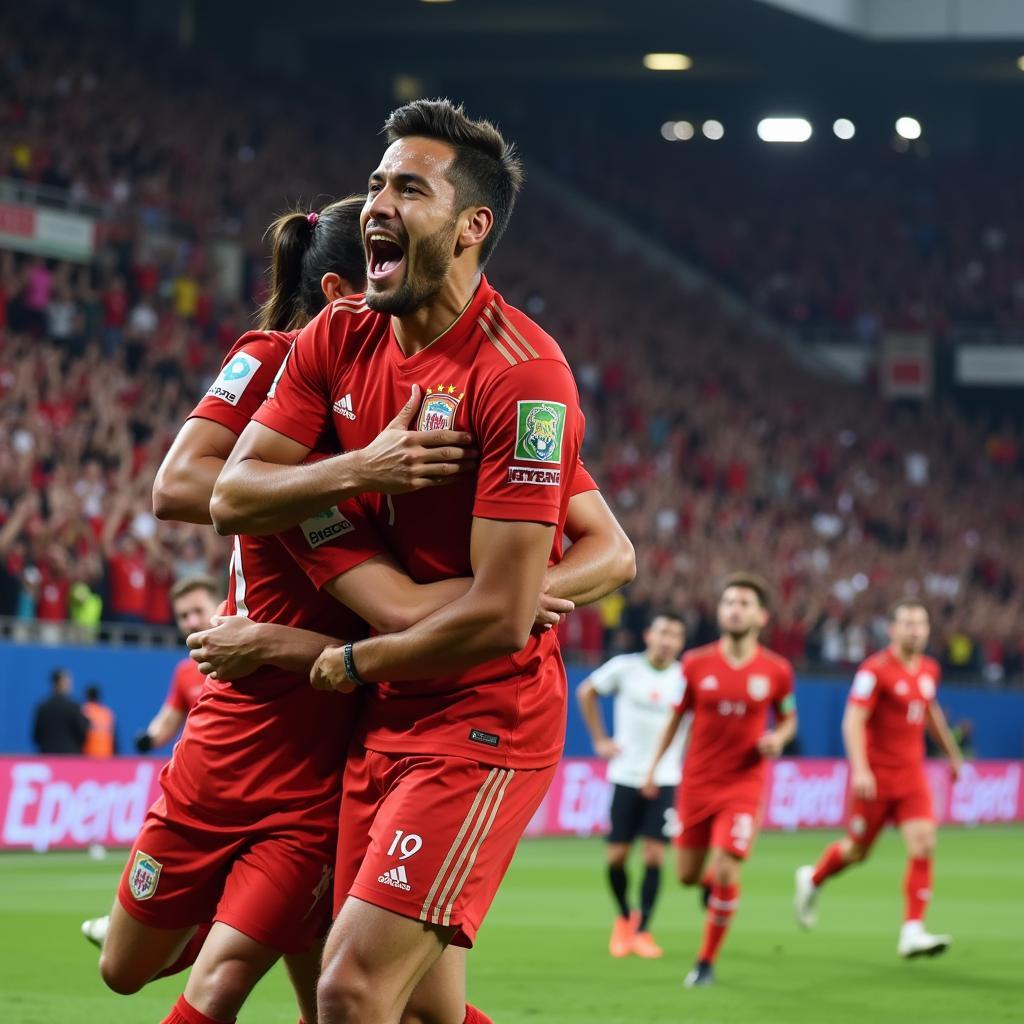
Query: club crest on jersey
<point>758,687</point>
<point>539,431</point>
<point>927,687</point>
<point>144,876</point>
<point>325,526</point>
<point>234,378</point>
<point>439,407</point>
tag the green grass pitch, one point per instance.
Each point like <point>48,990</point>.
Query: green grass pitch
<point>542,954</point>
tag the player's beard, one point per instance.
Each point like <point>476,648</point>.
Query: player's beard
<point>424,276</point>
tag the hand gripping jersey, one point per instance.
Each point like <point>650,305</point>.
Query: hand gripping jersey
<point>897,699</point>
<point>497,375</point>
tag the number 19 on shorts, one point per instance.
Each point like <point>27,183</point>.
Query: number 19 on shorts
<point>405,844</point>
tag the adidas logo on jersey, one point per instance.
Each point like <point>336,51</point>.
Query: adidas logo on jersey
<point>396,878</point>
<point>343,407</point>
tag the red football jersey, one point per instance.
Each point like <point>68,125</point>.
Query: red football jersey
<point>497,375</point>
<point>186,685</point>
<point>269,740</point>
<point>897,699</point>
<point>730,714</point>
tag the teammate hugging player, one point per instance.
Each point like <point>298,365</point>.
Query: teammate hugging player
<point>891,704</point>
<point>729,686</point>
<point>458,747</point>
<point>646,687</point>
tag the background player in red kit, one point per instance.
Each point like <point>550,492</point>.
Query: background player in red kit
<point>729,687</point>
<point>194,600</point>
<point>458,748</point>
<point>891,704</point>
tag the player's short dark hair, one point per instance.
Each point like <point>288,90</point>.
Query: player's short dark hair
<point>57,675</point>
<point>908,602</point>
<point>92,693</point>
<point>748,581</point>
<point>486,170</point>
<point>664,613</point>
<point>199,582</point>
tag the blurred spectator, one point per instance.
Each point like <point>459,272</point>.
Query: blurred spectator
<point>60,727</point>
<point>101,739</point>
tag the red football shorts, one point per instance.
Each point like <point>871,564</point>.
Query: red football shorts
<point>730,826</point>
<point>271,884</point>
<point>866,818</point>
<point>431,837</point>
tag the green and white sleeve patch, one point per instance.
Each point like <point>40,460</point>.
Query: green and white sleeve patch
<point>539,429</point>
<point>788,704</point>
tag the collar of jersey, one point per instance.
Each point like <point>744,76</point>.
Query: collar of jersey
<point>454,336</point>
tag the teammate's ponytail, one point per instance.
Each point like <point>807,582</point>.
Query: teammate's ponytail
<point>305,246</point>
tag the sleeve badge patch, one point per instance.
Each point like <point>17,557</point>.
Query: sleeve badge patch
<point>234,378</point>
<point>539,431</point>
<point>325,527</point>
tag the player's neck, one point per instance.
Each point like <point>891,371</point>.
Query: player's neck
<point>910,660</point>
<point>738,650</point>
<point>434,319</point>
<point>656,664</point>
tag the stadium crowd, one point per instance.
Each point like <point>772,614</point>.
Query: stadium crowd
<point>716,450</point>
<point>838,243</point>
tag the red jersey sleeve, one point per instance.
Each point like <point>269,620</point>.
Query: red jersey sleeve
<point>299,401</point>
<point>582,481</point>
<point>330,544</point>
<point>864,691</point>
<point>527,429</point>
<point>686,700</point>
<point>175,694</point>
<point>245,377</point>
<point>785,695</point>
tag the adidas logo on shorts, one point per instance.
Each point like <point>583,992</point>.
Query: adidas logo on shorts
<point>396,878</point>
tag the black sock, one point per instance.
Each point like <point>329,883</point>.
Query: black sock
<point>617,880</point>
<point>648,895</point>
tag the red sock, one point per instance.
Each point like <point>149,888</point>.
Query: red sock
<point>188,955</point>
<point>185,1014</point>
<point>917,887</point>
<point>721,906</point>
<point>475,1016</point>
<point>831,863</point>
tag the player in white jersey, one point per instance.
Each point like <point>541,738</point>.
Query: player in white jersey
<point>646,686</point>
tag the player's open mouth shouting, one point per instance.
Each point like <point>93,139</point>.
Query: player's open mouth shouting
<point>385,254</point>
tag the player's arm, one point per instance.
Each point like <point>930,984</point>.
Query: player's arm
<point>668,734</point>
<point>493,618</point>
<point>164,727</point>
<point>935,720</point>
<point>862,779</point>
<point>264,488</point>
<point>601,558</point>
<point>184,482</point>
<point>234,646</point>
<point>773,742</point>
<point>589,701</point>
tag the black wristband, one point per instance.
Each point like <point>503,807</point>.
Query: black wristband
<point>143,742</point>
<point>350,666</point>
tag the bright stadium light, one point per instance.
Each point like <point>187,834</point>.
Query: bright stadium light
<point>667,62</point>
<point>784,129</point>
<point>668,131</point>
<point>1020,63</point>
<point>844,129</point>
<point>908,128</point>
<point>682,130</point>
<point>712,130</point>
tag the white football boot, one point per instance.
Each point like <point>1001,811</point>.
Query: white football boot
<point>805,897</point>
<point>915,941</point>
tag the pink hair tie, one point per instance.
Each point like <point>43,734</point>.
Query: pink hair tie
<point>312,218</point>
